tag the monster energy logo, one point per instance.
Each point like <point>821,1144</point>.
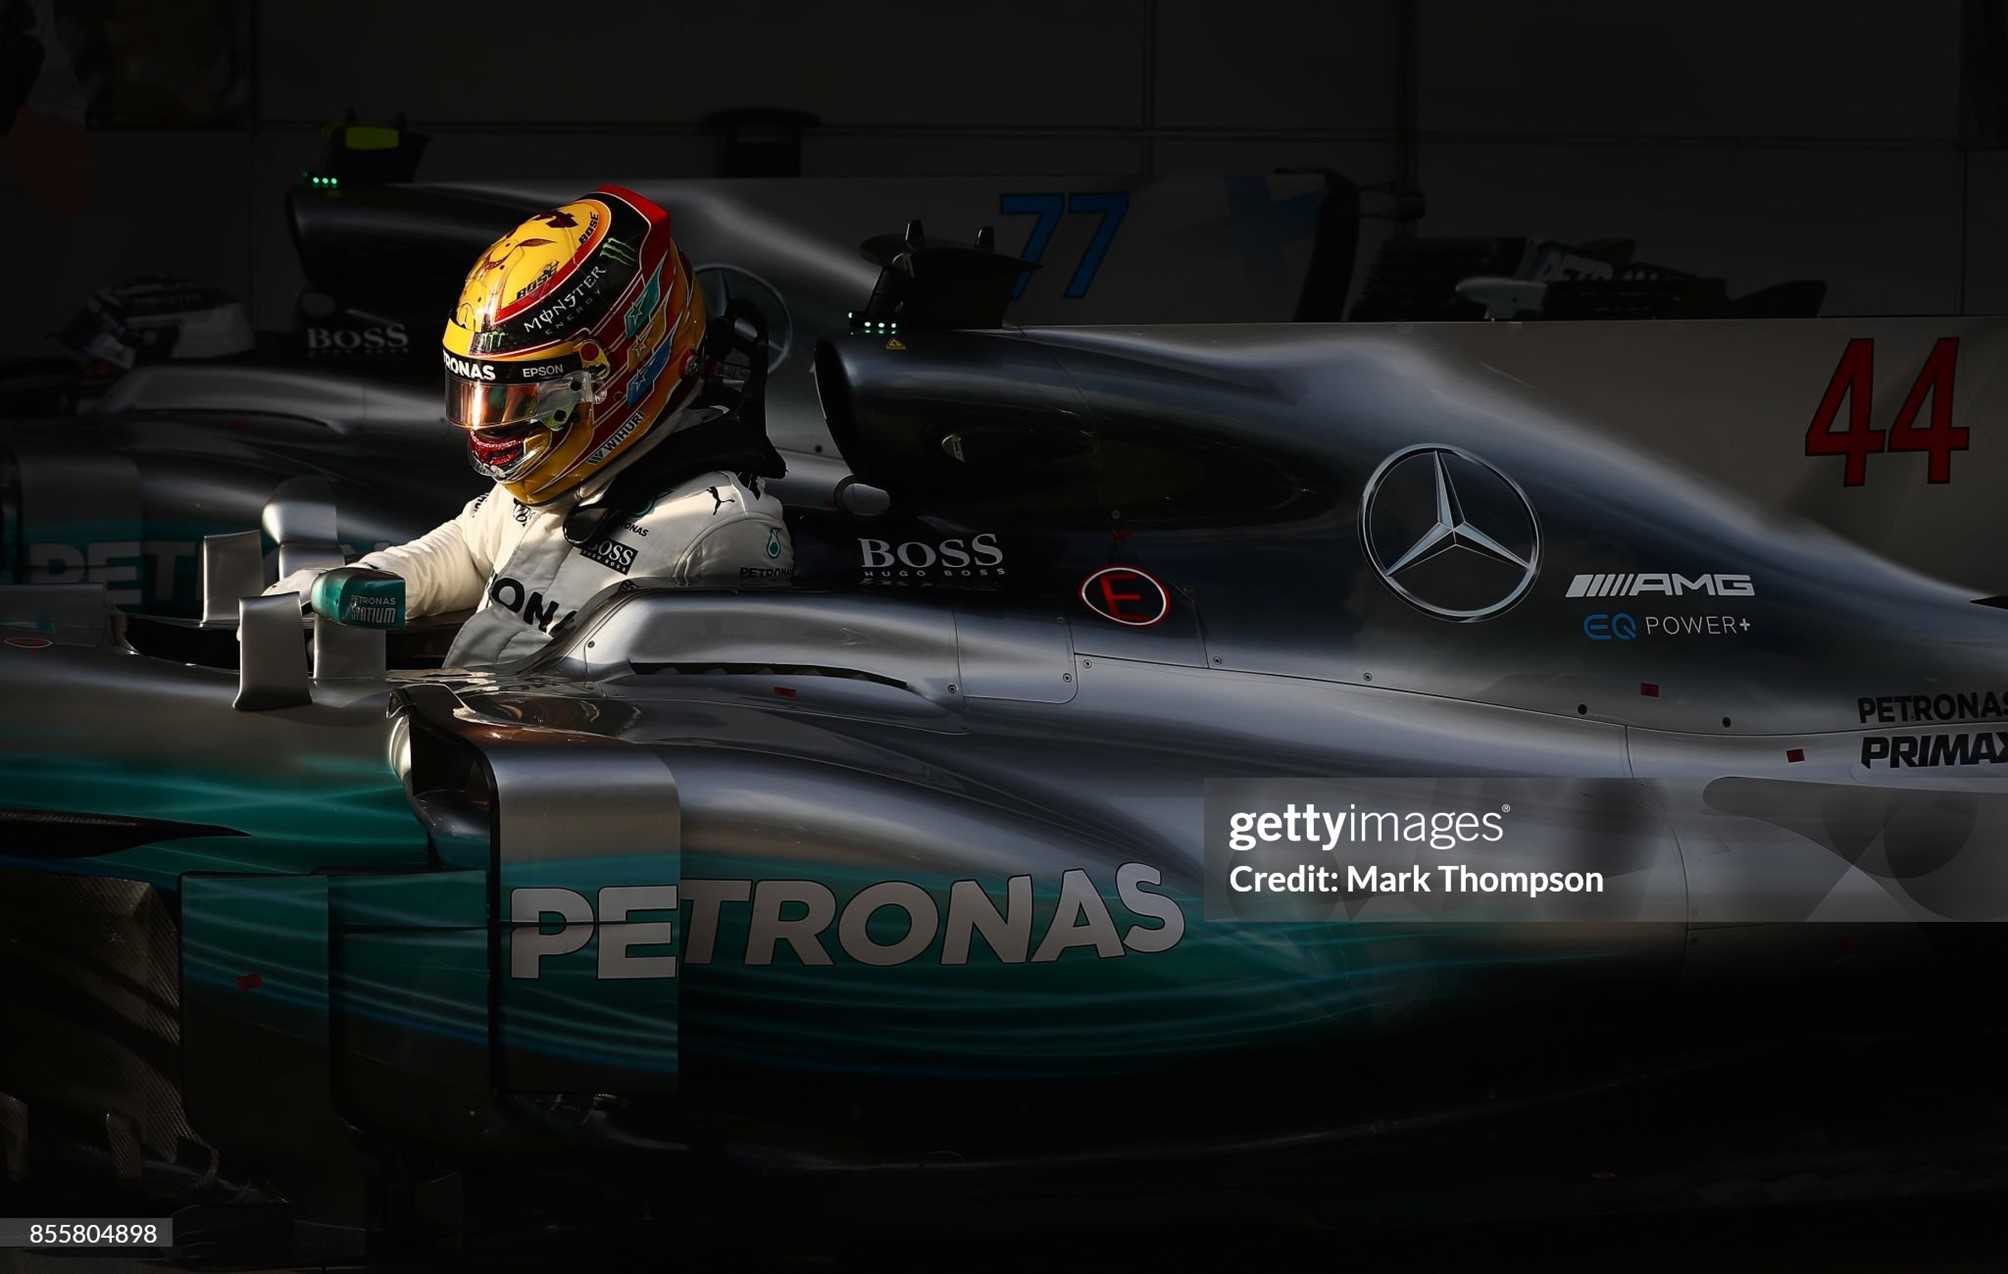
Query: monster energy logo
<point>619,251</point>
<point>638,313</point>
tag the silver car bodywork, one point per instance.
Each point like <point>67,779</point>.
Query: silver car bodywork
<point>934,819</point>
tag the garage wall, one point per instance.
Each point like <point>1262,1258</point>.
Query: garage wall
<point>1764,142</point>
<point>1041,87</point>
<point>161,203</point>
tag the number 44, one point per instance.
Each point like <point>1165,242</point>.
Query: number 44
<point>1854,382</point>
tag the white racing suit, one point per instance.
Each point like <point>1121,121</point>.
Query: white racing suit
<point>513,560</point>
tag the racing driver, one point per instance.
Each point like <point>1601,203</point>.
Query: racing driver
<point>623,431</point>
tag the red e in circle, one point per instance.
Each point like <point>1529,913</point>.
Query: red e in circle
<point>1126,595</point>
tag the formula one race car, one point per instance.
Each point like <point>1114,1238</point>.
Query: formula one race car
<point>927,876</point>
<point>1517,278</point>
<point>195,444</point>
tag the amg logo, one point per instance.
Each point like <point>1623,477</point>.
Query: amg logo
<point>1671,584</point>
<point>612,554</point>
<point>467,369</point>
<point>1920,751</point>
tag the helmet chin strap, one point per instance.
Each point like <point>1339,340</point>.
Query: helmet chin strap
<point>681,417</point>
<point>723,425</point>
<point>681,412</point>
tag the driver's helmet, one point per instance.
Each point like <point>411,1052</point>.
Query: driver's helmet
<point>575,337</point>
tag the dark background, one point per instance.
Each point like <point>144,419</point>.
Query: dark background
<point>1847,140</point>
<point>1856,141</point>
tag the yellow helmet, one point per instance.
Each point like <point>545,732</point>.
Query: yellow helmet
<point>575,336</point>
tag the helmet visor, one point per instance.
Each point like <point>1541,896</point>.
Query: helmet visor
<point>487,404</point>
<point>477,404</point>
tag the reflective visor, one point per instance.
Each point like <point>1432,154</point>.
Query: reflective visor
<point>479,404</point>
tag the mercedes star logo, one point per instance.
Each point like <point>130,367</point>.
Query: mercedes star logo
<point>1449,534</point>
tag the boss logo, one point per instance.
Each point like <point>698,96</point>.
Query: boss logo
<point>980,555</point>
<point>612,554</point>
<point>356,340</point>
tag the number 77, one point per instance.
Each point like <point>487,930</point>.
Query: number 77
<point>1110,205</point>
